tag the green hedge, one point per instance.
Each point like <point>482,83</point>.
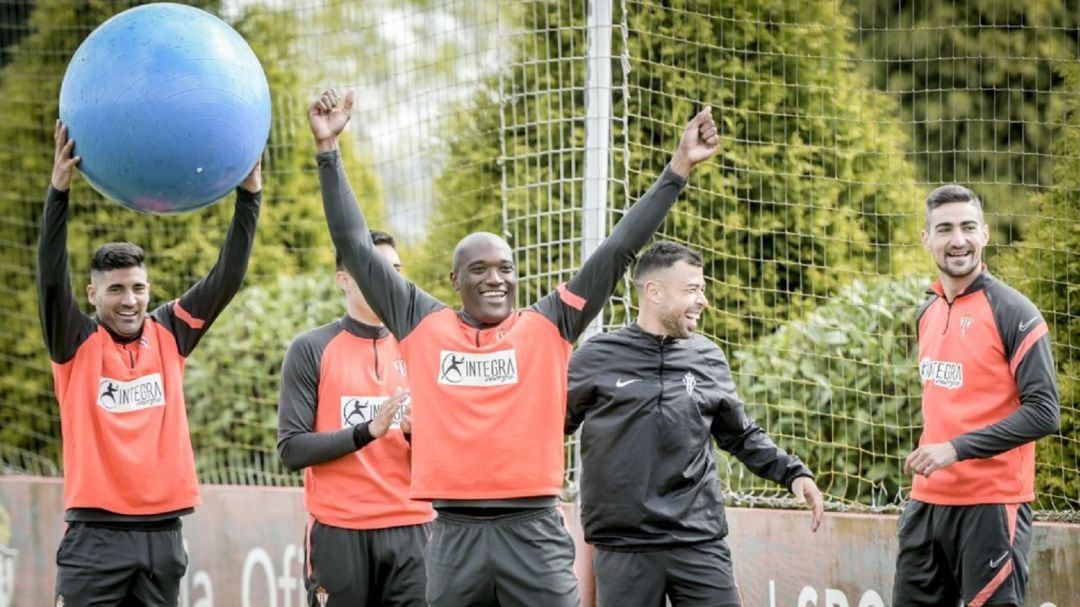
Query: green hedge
<point>233,377</point>
<point>841,390</point>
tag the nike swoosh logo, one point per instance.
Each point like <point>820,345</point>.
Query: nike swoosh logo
<point>619,383</point>
<point>995,562</point>
<point>1025,325</point>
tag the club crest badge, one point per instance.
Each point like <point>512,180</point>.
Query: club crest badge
<point>690,381</point>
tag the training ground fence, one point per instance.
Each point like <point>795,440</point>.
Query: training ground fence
<point>543,121</point>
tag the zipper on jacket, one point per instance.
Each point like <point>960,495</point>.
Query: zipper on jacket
<point>948,313</point>
<point>660,401</point>
<point>375,348</point>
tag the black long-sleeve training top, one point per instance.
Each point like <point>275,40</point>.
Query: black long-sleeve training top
<point>647,406</point>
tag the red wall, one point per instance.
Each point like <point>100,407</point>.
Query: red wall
<point>245,548</point>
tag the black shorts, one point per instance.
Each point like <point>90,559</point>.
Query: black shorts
<point>110,563</point>
<point>357,567</point>
<point>977,554</point>
<point>522,559</point>
<point>699,575</point>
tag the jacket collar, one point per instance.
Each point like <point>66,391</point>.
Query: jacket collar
<point>981,282</point>
<point>636,330</point>
<point>476,324</point>
<point>363,330</point>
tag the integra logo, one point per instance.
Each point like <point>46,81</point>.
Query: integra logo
<point>467,369</point>
<point>943,373</point>
<point>122,396</point>
<point>356,410</point>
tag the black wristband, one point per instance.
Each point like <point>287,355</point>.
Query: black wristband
<point>362,435</point>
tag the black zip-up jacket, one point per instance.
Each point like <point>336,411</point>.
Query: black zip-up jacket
<point>647,406</point>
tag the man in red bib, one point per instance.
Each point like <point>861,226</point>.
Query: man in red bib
<point>129,471</point>
<point>989,391</point>
<point>340,419</point>
<point>489,382</point>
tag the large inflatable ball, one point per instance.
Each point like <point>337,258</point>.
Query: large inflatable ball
<point>168,106</point>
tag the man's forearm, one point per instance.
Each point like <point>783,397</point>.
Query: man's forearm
<point>313,448</point>
<point>207,298</point>
<point>597,278</point>
<point>643,219</point>
<point>1027,424</point>
<point>348,227</point>
<point>397,302</point>
<point>58,310</point>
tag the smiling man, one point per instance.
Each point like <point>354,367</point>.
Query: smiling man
<point>485,275</point>
<point>129,470</point>
<point>989,391</point>
<point>650,399</point>
<point>489,382</point>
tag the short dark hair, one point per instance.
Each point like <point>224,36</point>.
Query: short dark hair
<point>117,256</point>
<point>663,255</point>
<point>378,237</point>
<point>950,193</point>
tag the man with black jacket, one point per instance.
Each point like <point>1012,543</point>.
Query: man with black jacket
<point>648,397</point>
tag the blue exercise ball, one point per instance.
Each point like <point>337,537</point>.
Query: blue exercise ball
<point>168,106</point>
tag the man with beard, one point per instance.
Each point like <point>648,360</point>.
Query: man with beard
<point>648,398</point>
<point>129,469</point>
<point>989,391</point>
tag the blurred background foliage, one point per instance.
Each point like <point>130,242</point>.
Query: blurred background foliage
<point>835,119</point>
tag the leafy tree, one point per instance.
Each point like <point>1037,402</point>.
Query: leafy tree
<point>979,86</point>
<point>1045,266</point>
<point>810,186</point>
<point>808,190</point>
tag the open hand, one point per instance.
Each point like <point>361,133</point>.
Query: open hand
<point>806,492</point>
<point>385,417</point>
<point>63,162</point>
